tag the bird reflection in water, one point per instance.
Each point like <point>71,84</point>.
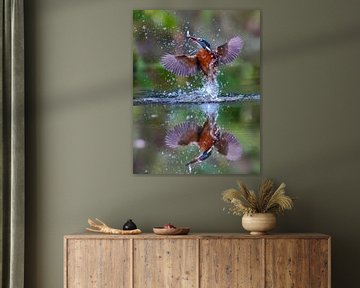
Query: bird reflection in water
<point>207,137</point>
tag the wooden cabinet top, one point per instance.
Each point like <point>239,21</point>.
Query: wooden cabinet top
<point>199,236</point>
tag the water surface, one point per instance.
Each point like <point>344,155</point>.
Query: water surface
<point>155,113</point>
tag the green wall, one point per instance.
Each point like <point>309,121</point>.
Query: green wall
<point>79,154</point>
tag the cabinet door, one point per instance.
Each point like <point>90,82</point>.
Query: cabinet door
<point>297,263</point>
<point>287,263</point>
<point>98,263</point>
<point>231,263</point>
<point>165,263</point>
<point>320,263</point>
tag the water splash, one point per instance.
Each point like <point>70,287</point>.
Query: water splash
<point>211,88</point>
<point>190,97</point>
<point>189,168</point>
<point>210,109</point>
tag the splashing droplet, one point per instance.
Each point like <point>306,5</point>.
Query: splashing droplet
<point>190,169</point>
<point>211,88</point>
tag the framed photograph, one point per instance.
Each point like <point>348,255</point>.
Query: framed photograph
<point>196,92</point>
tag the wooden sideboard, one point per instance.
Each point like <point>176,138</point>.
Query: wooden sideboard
<point>197,260</point>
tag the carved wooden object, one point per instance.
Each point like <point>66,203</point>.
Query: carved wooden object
<point>100,227</point>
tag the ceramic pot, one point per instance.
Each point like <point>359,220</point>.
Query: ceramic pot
<point>259,223</point>
<point>129,225</point>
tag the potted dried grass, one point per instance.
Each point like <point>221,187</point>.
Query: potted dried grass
<point>258,210</point>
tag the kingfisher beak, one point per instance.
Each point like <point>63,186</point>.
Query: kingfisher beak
<point>203,156</point>
<point>192,162</point>
<point>196,40</point>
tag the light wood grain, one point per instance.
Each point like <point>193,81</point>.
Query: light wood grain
<point>231,263</point>
<point>171,231</point>
<point>88,235</point>
<point>287,263</point>
<point>98,264</point>
<point>319,263</point>
<point>205,260</point>
<point>165,263</point>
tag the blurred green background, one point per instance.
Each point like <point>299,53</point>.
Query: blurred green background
<point>157,32</point>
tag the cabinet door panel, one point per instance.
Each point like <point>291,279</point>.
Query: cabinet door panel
<point>98,263</point>
<point>319,263</point>
<point>166,263</point>
<point>287,263</point>
<point>231,263</point>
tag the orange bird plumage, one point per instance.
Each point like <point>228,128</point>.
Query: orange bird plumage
<point>205,59</point>
<point>206,137</point>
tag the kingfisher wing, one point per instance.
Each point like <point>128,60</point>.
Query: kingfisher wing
<point>181,65</point>
<point>230,50</point>
<point>229,146</point>
<point>182,134</point>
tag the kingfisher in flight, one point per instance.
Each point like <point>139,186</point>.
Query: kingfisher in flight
<point>205,59</point>
<point>206,137</point>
